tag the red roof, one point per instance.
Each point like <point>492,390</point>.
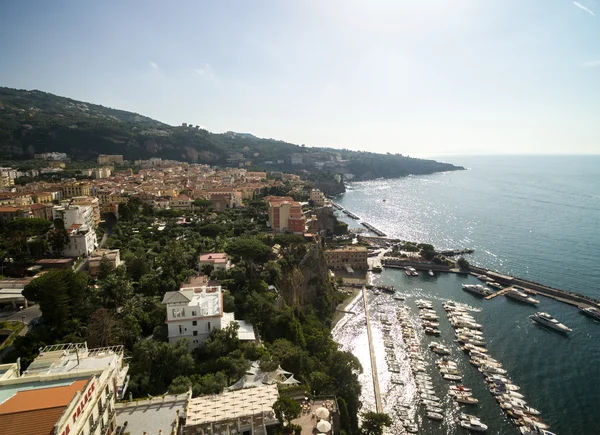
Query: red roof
<point>35,412</point>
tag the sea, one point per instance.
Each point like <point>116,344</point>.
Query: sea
<point>535,217</point>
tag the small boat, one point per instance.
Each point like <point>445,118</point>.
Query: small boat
<point>411,271</point>
<point>431,273</point>
<point>460,393</point>
<point>456,378</point>
<point>484,278</point>
<point>547,320</point>
<point>432,331</point>
<point>377,269</point>
<point>460,388</point>
<point>434,409</point>
<point>495,285</point>
<point>473,424</point>
<point>434,416</point>
<point>466,400</point>
<point>411,427</point>
<point>398,297</point>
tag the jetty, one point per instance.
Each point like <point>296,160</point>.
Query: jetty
<point>372,228</point>
<point>498,293</point>
<point>378,404</point>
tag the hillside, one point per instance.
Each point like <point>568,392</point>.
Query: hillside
<point>33,122</point>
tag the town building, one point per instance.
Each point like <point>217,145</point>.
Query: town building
<point>98,173</point>
<point>92,202</point>
<point>196,309</point>
<point>72,214</point>
<point>51,156</point>
<point>248,413</point>
<point>349,258</point>
<point>107,159</point>
<point>285,214</point>
<point>8,214</point>
<point>113,256</point>
<point>296,159</point>
<point>76,189</point>
<point>67,389</point>
<point>82,241</point>
<point>182,202</point>
<point>219,261</point>
<point>317,197</point>
<point>11,291</point>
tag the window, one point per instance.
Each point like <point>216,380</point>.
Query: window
<point>194,323</point>
<point>193,313</point>
<point>208,326</point>
<point>180,329</point>
<point>178,312</point>
<point>195,333</point>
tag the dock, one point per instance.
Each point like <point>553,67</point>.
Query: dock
<point>498,293</point>
<point>378,405</point>
<point>373,229</point>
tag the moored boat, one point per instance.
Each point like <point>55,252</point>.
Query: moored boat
<point>547,320</point>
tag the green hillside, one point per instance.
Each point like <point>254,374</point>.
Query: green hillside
<point>33,122</point>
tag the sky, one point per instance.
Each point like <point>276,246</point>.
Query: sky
<point>418,77</point>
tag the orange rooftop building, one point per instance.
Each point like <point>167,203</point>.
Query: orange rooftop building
<point>285,214</point>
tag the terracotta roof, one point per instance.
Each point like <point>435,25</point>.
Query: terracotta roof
<point>43,398</point>
<point>35,412</point>
<point>40,422</point>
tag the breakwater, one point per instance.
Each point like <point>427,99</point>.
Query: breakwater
<point>373,229</point>
<point>554,293</point>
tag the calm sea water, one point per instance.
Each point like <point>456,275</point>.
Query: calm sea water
<point>534,217</point>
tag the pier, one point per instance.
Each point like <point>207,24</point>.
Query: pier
<point>372,228</point>
<point>498,293</point>
<point>378,405</point>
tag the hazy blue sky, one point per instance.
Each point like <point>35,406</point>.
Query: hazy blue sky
<point>420,77</point>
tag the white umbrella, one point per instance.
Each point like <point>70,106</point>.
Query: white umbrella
<point>322,412</point>
<point>323,426</point>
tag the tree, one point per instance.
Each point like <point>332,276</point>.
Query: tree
<point>374,423</point>
<point>249,249</point>
<point>116,289</point>
<point>286,409</point>
<point>100,328</point>
<point>462,264</point>
<point>57,240</point>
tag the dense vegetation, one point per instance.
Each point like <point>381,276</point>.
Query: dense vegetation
<point>35,122</point>
<point>123,306</point>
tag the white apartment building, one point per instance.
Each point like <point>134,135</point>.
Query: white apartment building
<point>67,390</point>
<point>193,312</point>
<point>82,241</point>
<point>75,215</point>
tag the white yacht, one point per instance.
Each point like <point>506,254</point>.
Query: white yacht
<point>473,424</point>
<point>546,319</point>
<point>431,273</point>
<point>521,296</point>
<point>411,271</point>
<point>477,289</point>
<point>592,312</point>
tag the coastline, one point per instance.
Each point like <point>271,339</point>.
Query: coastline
<point>570,298</point>
<point>340,310</point>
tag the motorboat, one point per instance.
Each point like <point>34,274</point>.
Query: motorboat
<point>466,400</point>
<point>411,271</point>
<point>456,378</point>
<point>440,349</point>
<point>486,368</point>
<point>483,278</point>
<point>460,388</point>
<point>398,297</point>
<point>473,424</point>
<point>434,416</point>
<point>592,312</point>
<point>460,393</point>
<point>411,428</point>
<point>431,273</point>
<point>547,320</point>
<point>533,430</point>
<point>521,296</point>
<point>432,331</point>
<point>434,409</point>
<point>496,285</point>
<point>477,289</point>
